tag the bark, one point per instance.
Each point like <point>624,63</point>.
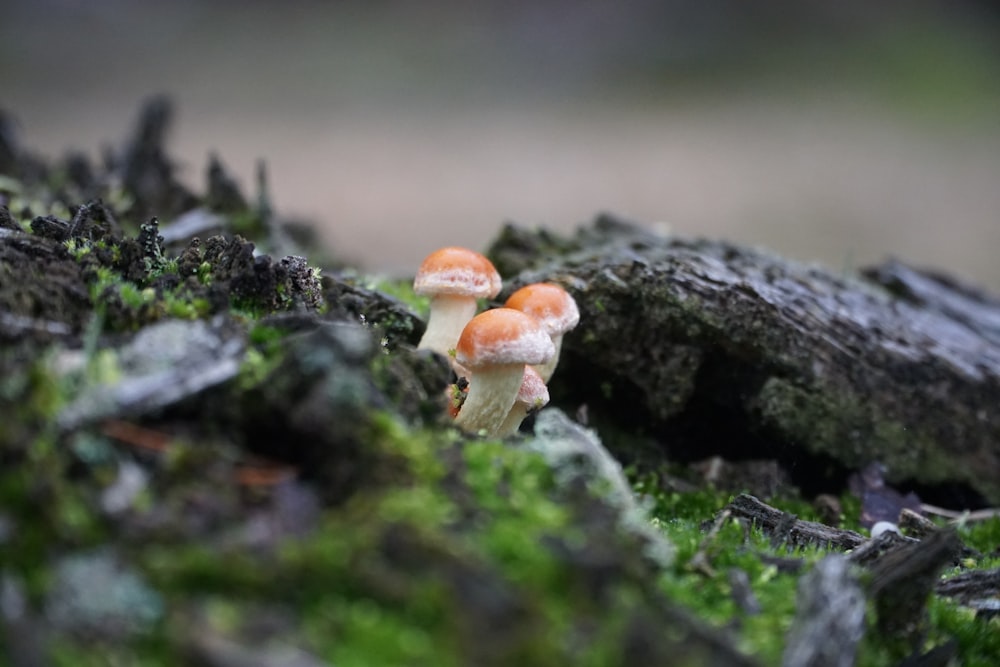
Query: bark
<point>716,348</point>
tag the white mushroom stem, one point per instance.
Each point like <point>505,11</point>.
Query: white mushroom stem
<point>512,422</point>
<point>492,391</point>
<point>549,367</point>
<point>448,316</point>
<point>532,396</point>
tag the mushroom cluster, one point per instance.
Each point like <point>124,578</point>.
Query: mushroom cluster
<point>502,356</point>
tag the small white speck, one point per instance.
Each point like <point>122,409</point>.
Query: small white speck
<point>884,527</point>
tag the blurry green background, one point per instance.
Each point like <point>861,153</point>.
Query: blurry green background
<point>831,131</point>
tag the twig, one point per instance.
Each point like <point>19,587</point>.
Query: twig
<point>700,561</point>
<point>962,516</point>
<point>264,474</point>
<point>135,435</point>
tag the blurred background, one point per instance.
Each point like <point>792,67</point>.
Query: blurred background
<point>833,132</point>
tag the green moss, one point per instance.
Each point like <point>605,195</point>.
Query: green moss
<point>363,632</point>
<point>828,423</point>
<point>680,516</point>
<point>66,653</point>
<point>978,639</point>
<point>418,448</point>
<point>401,290</point>
<point>185,307</point>
<point>513,488</point>
<point>76,250</point>
<point>103,278</point>
<point>248,223</point>
<point>204,273</point>
<point>49,509</point>
<point>709,593</point>
<point>983,536</point>
<point>358,599</point>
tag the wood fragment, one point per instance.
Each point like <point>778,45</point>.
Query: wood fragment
<point>264,474</point>
<point>742,592</point>
<point>915,524</point>
<point>876,547</point>
<point>962,516</point>
<point>830,617</point>
<point>135,435</point>
<point>972,585</point>
<point>902,581</point>
<point>786,564</point>
<point>780,533</point>
<point>796,532</point>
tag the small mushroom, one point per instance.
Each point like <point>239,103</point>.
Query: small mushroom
<point>554,308</point>
<point>495,346</point>
<point>531,397</point>
<point>454,278</point>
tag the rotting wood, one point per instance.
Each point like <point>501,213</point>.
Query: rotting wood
<point>796,532</point>
<point>876,547</point>
<point>785,528</point>
<point>743,351</point>
<point>902,581</point>
<point>742,592</point>
<point>830,617</point>
<point>915,525</point>
<point>968,587</point>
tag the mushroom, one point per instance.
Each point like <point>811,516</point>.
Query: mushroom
<point>554,308</point>
<point>532,396</point>
<point>495,346</point>
<point>454,278</point>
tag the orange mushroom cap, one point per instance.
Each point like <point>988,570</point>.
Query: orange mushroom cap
<point>548,303</point>
<point>457,271</point>
<point>503,336</point>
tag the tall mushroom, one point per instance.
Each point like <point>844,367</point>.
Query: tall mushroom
<point>454,278</point>
<point>554,308</point>
<point>495,346</point>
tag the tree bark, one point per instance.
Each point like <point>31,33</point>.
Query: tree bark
<point>704,347</point>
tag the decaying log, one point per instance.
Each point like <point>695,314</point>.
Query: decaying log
<point>716,348</point>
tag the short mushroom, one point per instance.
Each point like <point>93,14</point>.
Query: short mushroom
<point>495,346</point>
<point>454,278</point>
<point>532,396</point>
<point>554,308</point>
